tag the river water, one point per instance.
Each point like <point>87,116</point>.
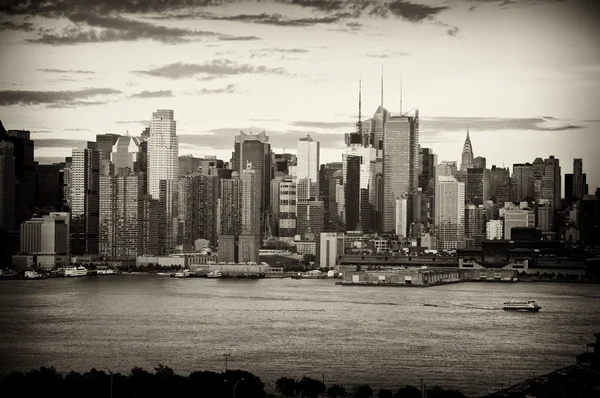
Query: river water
<point>385,337</point>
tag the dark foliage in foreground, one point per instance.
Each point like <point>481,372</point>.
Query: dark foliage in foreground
<point>311,388</point>
<point>164,382</point>
<point>46,382</point>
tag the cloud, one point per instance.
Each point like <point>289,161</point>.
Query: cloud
<point>11,25</point>
<point>267,52</point>
<point>142,122</point>
<point>219,67</point>
<point>112,29</point>
<point>390,54</point>
<point>323,125</point>
<point>223,138</point>
<point>273,19</point>
<point>66,71</point>
<point>59,143</point>
<point>414,12</point>
<point>153,94</point>
<point>229,89</point>
<point>54,98</point>
<point>239,38</point>
<point>495,124</point>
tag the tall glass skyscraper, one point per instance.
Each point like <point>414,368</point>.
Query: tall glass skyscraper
<point>400,163</point>
<point>85,206</point>
<point>307,172</point>
<point>163,164</point>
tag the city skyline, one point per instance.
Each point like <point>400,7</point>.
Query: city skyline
<point>537,84</point>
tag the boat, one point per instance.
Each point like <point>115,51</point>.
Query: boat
<point>76,271</point>
<point>214,274</point>
<point>163,273</point>
<point>33,275</point>
<point>106,272</point>
<point>523,306</point>
<point>183,274</point>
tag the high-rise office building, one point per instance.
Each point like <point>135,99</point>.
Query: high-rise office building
<point>255,148</point>
<point>249,240</point>
<point>23,151</point>
<point>475,225</point>
<point>551,182</point>
<point>445,168</point>
<point>522,181</point>
<point>352,192</point>
<point>105,145</point>
<point>544,217</point>
<point>163,164</point>
<point>85,184</point>
<point>327,186</point>
<point>149,224</point>
<point>359,166</point>
<point>307,172</point>
<point>309,219</point>
<point>283,198</point>
<point>467,154</point>
<point>400,163</point>
<point>7,185</point>
<point>478,185</point>
<point>198,199</point>
<point>427,163</point>
<point>121,214</point>
<point>576,186</point>
<point>231,205</point>
<point>449,213</point>
<point>49,193</point>
<point>48,234</point>
<point>500,188</point>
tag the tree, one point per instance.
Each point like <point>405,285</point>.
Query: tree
<point>363,391</point>
<point>286,386</point>
<point>408,392</point>
<point>385,393</point>
<point>439,392</point>
<point>336,391</point>
<point>310,388</point>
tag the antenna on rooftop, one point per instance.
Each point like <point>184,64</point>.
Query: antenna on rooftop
<point>400,93</point>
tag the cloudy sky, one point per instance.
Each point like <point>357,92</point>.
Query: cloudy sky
<point>523,74</point>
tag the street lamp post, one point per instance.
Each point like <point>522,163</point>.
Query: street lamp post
<point>235,386</point>
<point>226,356</point>
<point>111,381</point>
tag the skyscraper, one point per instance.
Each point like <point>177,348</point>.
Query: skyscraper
<point>231,205</point>
<point>522,186</point>
<point>352,192</point>
<point>49,181</point>
<point>256,150</point>
<point>308,169</point>
<point>105,144</point>
<point>475,225</point>
<point>551,182</point>
<point>477,185</point>
<point>327,186</point>
<point>121,215</point>
<point>283,198</point>
<point>163,152</point>
<point>500,188</point>
<point>576,183</point>
<point>249,241</point>
<point>85,184</point>
<point>7,185</point>
<point>467,154</point>
<point>23,151</point>
<point>449,213</point>
<point>400,163</point>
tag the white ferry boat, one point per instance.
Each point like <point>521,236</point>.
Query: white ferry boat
<point>76,271</point>
<point>106,272</point>
<point>524,306</point>
<point>184,274</point>
<point>214,274</point>
<point>33,275</point>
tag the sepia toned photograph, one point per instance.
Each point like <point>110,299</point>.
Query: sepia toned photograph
<point>300,198</point>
